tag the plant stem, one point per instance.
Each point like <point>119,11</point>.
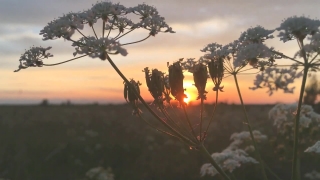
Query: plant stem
<point>201,117</point>
<point>214,164</point>
<point>146,105</point>
<point>295,170</point>
<point>250,130</point>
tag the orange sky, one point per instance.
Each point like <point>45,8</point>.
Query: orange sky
<point>92,80</point>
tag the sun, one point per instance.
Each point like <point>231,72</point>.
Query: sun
<point>188,98</point>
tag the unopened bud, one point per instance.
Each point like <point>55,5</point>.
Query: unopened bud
<point>216,71</point>
<point>176,81</point>
<point>200,75</point>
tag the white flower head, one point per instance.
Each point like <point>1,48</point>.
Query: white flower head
<point>106,9</point>
<point>33,57</point>
<point>120,23</point>
<point>314,175</point>
<point>228,160</point>
<point>215,51</point>
<point>144,10</point>
<point>315,148</point>
<point>64,26</point>
<point>257,34</point>
<point>154,24</point>
<point>98,47</point>
<point>274,78</point>
<point>297,28</point>
<point>252,53</point>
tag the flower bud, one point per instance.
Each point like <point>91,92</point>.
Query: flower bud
<point>176,81</point>
<point>130,96</point>
<point>216,71</point>
<point>155,83</point>
<point>200,75</point>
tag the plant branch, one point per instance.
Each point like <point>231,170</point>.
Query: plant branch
<point>65,61</point>
<point>250,130</point>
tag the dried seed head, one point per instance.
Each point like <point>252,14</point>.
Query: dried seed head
<point>176,81</point>
<point>155,83</point>
<point>200,75</point>
<point>216,71</point>
<point>130,96</point>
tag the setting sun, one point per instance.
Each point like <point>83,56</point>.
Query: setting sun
<point>187,99</point>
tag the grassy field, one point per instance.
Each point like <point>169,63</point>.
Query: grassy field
<point>62,142</point>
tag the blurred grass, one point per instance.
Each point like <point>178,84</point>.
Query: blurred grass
<point>62,142</point>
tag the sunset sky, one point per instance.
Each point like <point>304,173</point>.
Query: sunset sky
<point>196,22</point>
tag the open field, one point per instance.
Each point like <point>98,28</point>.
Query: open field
<point>62,142</point>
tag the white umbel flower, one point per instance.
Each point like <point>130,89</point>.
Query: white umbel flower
<point>33,57</point>
<point>297,28</point>
<point>98,47</point>
<point>315,148</point>
<point>257,34</point>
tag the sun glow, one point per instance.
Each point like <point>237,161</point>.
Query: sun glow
<point>188,98</point>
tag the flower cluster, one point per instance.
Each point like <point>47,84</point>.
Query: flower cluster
<point>283,116</point>
<point>315,148</point>
<point>274,78</point>
<point>228,160</point>
<point>98,47</point>
<point>100,173</point>
<point>243,140</point>
<point>33,57</point>
<point>297,28</point>
<point>314,175</point>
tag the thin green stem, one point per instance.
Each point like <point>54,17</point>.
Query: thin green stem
<point>213,111</point>
<point>188,120</point>
<point>201,118</point>
<point>65,61</point>
<point>250,130</point>
<point>213,162</point>
<point>295,170</point>
<point>146,105</point>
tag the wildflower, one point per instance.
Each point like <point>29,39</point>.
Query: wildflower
<point>105,9</point>
<point>216,71</point>
<point>228,160</point>
<point>154,24</point>
<point>176,81</point>
<point>251,54</point>
<point>274,79</point>
<point>314,175</point>
<point>64,27</point>
<point>120,23</point>
<point>283,115</point>
<point>297,28</point>
<point>98,47</point>
<point>155,83</point>
<point>130,95</point>
<point>256,35</point>
<point>100,173</point>
<point>33,57</point>
<point>315,148</point>
<point>144,10</point>
<point>242,139</point>
<point>200,75</point>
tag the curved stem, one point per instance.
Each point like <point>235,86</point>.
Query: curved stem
<point>146,105</point>
<point>214,164</point>
<point>65,61</point>
<point>250,130</point>
<point>136,41</point>
<point>287,57</point>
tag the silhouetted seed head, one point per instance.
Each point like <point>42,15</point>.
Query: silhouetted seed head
<point>216,71</point>
<point>176,81</point>
<point>200,75</point>
<point>103,56</point>
<point>131,97</point>
<point>167,89</point>
<point>155,83</point>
